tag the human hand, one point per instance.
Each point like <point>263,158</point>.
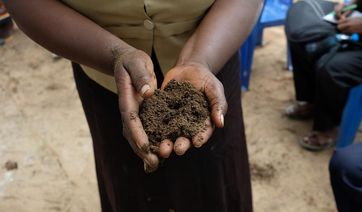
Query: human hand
<point>135,80</point>
<point>205,81</point>
<point>350,25</point>
<point>339,13</point>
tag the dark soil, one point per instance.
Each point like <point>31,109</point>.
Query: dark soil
<point>11,165</point>
<point>179,110</point>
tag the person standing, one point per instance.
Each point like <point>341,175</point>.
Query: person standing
<point>121,51</point>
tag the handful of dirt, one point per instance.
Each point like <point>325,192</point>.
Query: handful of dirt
<point>179,110</point>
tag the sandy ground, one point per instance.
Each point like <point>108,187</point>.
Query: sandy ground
<point>43,129</point>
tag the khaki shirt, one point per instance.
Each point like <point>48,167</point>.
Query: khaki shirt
<point>162,25</point>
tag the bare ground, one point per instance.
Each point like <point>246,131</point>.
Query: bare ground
<point>43,129</point>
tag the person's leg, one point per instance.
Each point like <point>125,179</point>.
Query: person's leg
<point>303,73</point>
<point>301,29</point>
<point>303,76</point>
<point>346,178</point>
<point>333,81</point>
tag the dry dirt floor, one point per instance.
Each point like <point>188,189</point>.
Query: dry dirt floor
<point>43,129</point>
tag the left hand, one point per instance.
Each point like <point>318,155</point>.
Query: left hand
<point>205,81</point>
<point>339,14</point>
<point>350,25</point>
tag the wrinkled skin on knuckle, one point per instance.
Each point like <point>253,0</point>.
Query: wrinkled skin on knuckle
<point>216,88</point>
<point>139,72</point>
<point>128,58</point>
<point>132,115</point>
<point>142,80</point>
<point>131,63</point>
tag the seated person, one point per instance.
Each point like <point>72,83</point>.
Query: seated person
<point>322,84</point>
<point>346,178</point>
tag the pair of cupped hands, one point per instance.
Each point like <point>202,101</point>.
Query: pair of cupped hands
<point>136,80</point>
<point>346,24</point>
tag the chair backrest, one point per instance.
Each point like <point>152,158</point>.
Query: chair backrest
<point>275,12</point>
<point>352,117</point>
<point>246,53</point>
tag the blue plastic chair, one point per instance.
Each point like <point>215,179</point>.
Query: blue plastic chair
<point>246,59</point>
<point>273,14</point>
<point>351,119</point>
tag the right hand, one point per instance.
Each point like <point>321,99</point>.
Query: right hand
<point>350,25</point>
<point>135,80</point>
<point>205,81</point>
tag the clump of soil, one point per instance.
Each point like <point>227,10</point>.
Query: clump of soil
<point>179,110</point>
<point>11,165</point>
<point>262,171</point>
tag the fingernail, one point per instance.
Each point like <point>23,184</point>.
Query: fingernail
<point>222,119</point>
<point>144,89</point>
<point>197,144</point>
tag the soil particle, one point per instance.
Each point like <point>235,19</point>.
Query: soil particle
<point>11,165</point>
<point>178,111</point>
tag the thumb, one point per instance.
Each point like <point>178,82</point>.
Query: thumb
<point>215,94</point>
<point>143,78</point>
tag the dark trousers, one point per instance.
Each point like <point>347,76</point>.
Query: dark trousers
<point>346,178</point>
<point>325,83</point>
<point>213,178</point>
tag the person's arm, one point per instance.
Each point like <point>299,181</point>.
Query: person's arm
<point>217,38</point>
<point>350,25</point>
<point>221,32</point>
<point>66,32</point>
